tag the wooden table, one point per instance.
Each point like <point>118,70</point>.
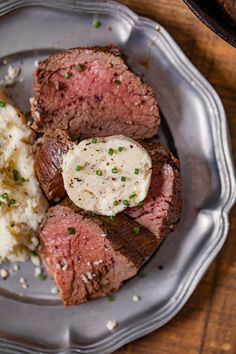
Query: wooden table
<point>207,323</point>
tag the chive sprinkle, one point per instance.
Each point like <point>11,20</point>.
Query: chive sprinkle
<point>114,170</point>
<point>2,104</point>
<point>120,148</point>
<point>140,203</point>
<point>99,172</point>
<point>17,177</point>
<point>136,230</point>
<point>12,201</point>
<point>4,196</point>
<point>110,151</point>
<point>136,171</point>
<point>117,82</point>
<point>67,75</point>
<point>112,217</point>
<point>94,140</point>
<point>116,202</point>
<point>123,178</point>
<point>132,196</point>
<point>79,67</point>
<point>78,168</point>
<point>42,277</point>
<point>110,298</point>
<point>96,24</point>
<point>70,231</point>
<point>126,202</point>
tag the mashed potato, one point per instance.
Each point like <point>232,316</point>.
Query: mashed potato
<point>22,204</point>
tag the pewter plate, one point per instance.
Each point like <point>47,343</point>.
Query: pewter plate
<point>33,320</point>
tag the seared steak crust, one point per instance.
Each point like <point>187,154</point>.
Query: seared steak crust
<point>96,256</point>
<point>91,92</point>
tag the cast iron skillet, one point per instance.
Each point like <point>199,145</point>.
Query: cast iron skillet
<point>215,17</point>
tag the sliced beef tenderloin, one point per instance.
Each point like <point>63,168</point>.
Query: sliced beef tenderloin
<point>91,92</point>
<point>49,151</point>
<point>89,257</point>
<point>161,209</point>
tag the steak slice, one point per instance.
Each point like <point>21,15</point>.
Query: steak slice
<point>91,92</point>
<point>49,151</point>
<point>96,256</point>
<point>161,208</point>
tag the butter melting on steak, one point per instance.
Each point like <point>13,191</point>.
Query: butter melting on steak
<point>91,92</point>
<point>89,257</point>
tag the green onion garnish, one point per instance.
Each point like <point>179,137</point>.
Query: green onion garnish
<point>140,203</point>
<point>70,231</point>
<point>121,148</point>
<point>99,172</point>
<point>112,217</point>
<point>96,24</point>
<point>136,171</point>
<point>117,82</point>
<point>114,170</point>
<point>42,277</point>
<point>4,196</point>
<point>110,298</point>
<point>78,168</point>
<point>110,151</point>
<point>79,67</point>
<point>123,178</point>
<point>94,140</point>
<point>18,177</point>
<point>67,75</point>
<point>136,230</point>
<point>132,196</point>
<point>2,104</point>
<point>116,202</point>
<point>126,202</point>
<point>12,201</point>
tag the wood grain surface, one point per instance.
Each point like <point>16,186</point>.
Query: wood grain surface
<point>207,323</point>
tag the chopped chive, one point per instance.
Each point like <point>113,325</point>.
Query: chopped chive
<point>18,177</point>
<point>132,196</point>
<point>78,168</point>
<point>70,230</point>
<point>99,172</point>
<point>42,277</point>
<point>12,201</point>
<point>136,230</point>
<point>140,203</point>
<point>123,178</point>
<point>94,140</point>
<point>112,217</point>
<point>114,170</point>
<point>136,171</point>
<point>110,151</point>
<point>4,196</point>
<point>126,202</point>
<point>116,202</point>
<point>96,24</point>
<point>67,75</point>
<point>117,82</point>
<point>120,148</point>
<point>110,298</point>
<point>2,104</point>
<point>79,67</point>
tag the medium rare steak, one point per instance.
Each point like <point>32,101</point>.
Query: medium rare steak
<point>90,257</point>
<point>91,92</point>
<point>49,151</point>
<point>161,208</point>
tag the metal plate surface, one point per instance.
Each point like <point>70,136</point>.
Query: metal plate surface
<point>33,320</point>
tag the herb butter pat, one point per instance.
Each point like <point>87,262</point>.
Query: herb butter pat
<point>106,183</point>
